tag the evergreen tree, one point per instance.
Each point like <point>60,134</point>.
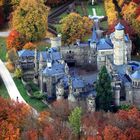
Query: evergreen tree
<point>75,120</point>
<point>104,90</point>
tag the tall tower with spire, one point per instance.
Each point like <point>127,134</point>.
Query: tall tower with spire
<point>120,47</point>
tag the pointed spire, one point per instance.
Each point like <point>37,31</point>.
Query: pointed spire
<point>119,26</point>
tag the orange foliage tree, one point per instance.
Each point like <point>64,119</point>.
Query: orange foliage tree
<point>29,46</point>
<point>15,40</point>
<point>12,117</point>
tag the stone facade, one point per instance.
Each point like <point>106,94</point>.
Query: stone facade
<point>51,72</point>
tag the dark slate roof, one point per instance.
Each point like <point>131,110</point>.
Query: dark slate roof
<point>126,38</point>
<point>56,69</point>
<point>44,54</point>
<point>24,53</point>
<point>56,56</point>
<point>104,44</point>
<point>119,26</point>
<point>77,82</point>
<point>136,75</point>
<point>94,38</point>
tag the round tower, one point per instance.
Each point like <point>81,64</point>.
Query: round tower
<point>120,50</point>
<point>60,90</point>
<point>40,62</point>
<point>119,31</point>
<point>35,61</point>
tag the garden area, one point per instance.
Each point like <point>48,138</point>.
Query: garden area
<point>34,102</point>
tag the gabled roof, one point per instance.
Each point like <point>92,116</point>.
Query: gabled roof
<point>56,69</point>
<point>24,53</point>
<point>136,75</point>
<point>77,83</point>
<point>119,26</point>
<point>104,44</point>
<point>94,37</point>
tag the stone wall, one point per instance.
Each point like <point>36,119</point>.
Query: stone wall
<point>81,56</point>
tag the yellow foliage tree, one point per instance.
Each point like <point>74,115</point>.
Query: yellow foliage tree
<point>75,27</point>
<point>30,19</point>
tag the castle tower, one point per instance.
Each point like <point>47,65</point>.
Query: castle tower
<point>60,90</point>
<point>120,50</point>
<point>40,62</point>
<point>35,61</point>
<point>56,41</point>
<point>66,69</point>
<point>117,95</point>
<point>91,103</point>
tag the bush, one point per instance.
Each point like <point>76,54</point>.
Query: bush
<point>18,72</point>
<point>10,66</point>
<point>38,95</point>
<point>33,86</point>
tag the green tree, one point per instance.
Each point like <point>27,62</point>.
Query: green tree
<point>104,90</point>
<point>30,19</point>
<point>75,120</point>
<point>18,72</point>
<point>75,27</point>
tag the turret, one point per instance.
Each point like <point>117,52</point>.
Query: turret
<point>41,61</point>
<point>35,61</point>
<point>119,31</point>
<point>120,49</point>
<point>60,90</point>
<point>91,103</point>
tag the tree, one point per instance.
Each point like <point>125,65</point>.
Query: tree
<point>75,120</point>
<point>15,40</point>
<point>12,117</point>
<point>29,46</point>
<point>75,27</point>
<point>11,55</point>
<point>104,90</point>
<point>30,19</point>
<point>18,72</point>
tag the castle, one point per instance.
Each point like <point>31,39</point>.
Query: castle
<point>52,73</point>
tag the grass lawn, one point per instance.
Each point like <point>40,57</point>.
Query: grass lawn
<point>99,9</point>
<point>2,48</point>
<point>3,90</point>
<point>37,104</point>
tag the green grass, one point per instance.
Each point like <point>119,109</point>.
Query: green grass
<point>2,48</point>
<point>99,9</point>
<point>3,90</point>
<point>37,104</point>
<point>79,10</point>
<point>100,12</point>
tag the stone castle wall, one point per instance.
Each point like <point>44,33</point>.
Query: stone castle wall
<point>82,56</point>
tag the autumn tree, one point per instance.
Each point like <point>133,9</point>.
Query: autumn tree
<point>12,117</point>
<point>75,120</point>
<point>75,27</point>
<point>15,40</point>
<point>104,90</point>
<point>30,19</point>
<point>29,46</point>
